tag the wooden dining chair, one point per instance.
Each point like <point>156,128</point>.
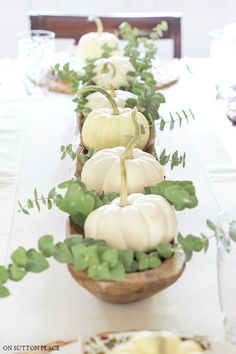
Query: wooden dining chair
<point>74,27</point>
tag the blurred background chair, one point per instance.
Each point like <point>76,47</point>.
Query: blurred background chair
<point>73,27</point>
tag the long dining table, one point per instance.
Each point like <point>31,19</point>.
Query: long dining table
<point>51,305</point>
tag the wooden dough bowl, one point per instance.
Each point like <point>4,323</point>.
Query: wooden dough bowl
<point>136,286</point>
<point>149,148</point>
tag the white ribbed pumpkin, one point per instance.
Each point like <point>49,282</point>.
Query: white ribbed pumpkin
<point>102,171</point>
<point>141,225</point>
<point>98,100</point>
<point>164,343</point>
<point>90,44</point>
<point>103,129</point>
<point>113,72</point>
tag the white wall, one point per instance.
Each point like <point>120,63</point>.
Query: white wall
<point>199,17</point>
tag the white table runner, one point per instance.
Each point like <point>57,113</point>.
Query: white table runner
<point>13,116</point>
<point>52,306</point>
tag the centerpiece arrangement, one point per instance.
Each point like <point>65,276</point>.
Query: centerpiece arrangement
<point>123,242</point>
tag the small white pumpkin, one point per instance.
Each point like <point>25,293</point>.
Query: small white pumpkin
<point>98,100</point>
<point>113,72</point>
<point>141,225</point>
<point>90,44</point>
<point>167,343</point>
<point>102,172</point>
<point>148,343</point>
<point>105,128</point>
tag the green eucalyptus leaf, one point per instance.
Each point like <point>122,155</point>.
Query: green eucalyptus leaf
<point>181,194</point>
<point>111,257</point>
<point>62,253</point>
<point>49,204</point>
<point>100,271</point>
<point>3,275</point>
<point>46,245</point>
<point>73,240</point>
<point>52,193</point>
<point>193,243</point>
<point>165,250</point>
<point>4,292</point>
<point>143,263</point>
<point>36,261</point>
<point>232,230</point>
<point>16,273</point>
<point>20,257</point>
<point>126,257</point>
<point>30,204</point>
<point>117,272</point>
<point>134,266</point>
<point>154,262</point>
<point>205,241</point>
<point>211,225</point>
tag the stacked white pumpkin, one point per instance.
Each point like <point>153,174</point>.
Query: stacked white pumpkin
<point>134,220</point>
<point>109,72</point>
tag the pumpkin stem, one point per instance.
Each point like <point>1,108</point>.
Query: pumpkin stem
<point>99,24</point>
<point>113,91</point>
<point>124,183</point>
<point>128,153</point>
<point>109,67</point>
<point>90,88</point>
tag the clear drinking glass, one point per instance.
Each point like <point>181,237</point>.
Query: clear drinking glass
<point>226,246</point>
<point>35,49</point>
<point>223,55</point>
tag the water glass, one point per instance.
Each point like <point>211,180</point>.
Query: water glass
<point>226,255</point>
<point>35,49</point>
<point>223,56</point>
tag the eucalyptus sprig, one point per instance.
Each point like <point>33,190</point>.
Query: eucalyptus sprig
<point>77,153</point>
<point>175,159</point>
<point>141,59</point>
<point>96,257</point>
<point>68,151</point>
<point>77,200</point>
<point>85,76</point>
<point>175,119</point>
<point>101,261</point>
<point>181,194</point>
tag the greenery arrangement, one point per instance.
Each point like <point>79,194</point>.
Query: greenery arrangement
<point>78,201</point>
<point>144,85</point>
<point>101,261</point>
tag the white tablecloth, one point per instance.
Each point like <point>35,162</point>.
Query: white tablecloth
<point>50,306</point>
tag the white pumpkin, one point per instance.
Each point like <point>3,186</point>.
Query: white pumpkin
<point>102,171</point>
<point>103,129</point>
<point>90,44</point>
<point>167,343</point>
<point>98,100</point>
<point>141,225</point>
<point>113,72</point>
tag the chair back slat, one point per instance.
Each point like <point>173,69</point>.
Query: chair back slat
<point>74,27</point>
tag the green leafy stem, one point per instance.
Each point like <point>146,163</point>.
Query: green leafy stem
<point>181,194</point>
<point>78,201</point>
<point>99,260</point>
<point>175,159</point>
